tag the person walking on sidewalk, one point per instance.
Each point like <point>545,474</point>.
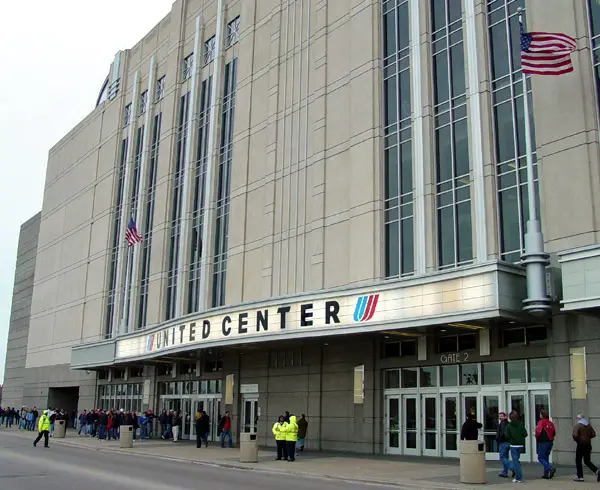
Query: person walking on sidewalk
<point>43,429</point>
<point>503,446</point>
<point>302,429</point>
<point>470,429</point>
<point>290,429</point>
<point>515,435</point>
<point>202,428</point>
<point>280,438</point>
<point>544,433</point>
<point>176,426</point>
<point>583,433</point>
<point>225,427</point>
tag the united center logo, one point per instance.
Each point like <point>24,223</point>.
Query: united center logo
<point>365,307</point>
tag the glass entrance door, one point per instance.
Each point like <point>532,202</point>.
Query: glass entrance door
<point>186,418</point>
<point>410,422</point>
<point>212,407</point>
<point>518,402</point>
<point>490,405</point>
<point>450,427</point>
<point>429,408</point>
<point>250,415</point>
<point>392,425</point>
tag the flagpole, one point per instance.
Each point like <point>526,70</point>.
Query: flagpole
<point>535,259</point>
<point>125,294</point>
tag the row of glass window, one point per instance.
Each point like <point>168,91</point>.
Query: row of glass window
<point>202,387</point>
<point>487,373</point>
<point>452,166</point>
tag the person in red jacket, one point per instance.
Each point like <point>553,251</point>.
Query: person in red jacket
<point>544,433</point>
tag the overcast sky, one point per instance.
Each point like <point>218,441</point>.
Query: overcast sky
<point>54,57</point>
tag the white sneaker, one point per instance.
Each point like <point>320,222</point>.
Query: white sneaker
<point>517,481</point>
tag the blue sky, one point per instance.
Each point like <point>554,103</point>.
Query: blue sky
<point>54,63</point>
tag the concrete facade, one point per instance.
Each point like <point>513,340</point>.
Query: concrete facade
<point>275,185</point>
<point>18,330</point>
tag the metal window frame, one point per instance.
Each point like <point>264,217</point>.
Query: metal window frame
<point>187,67</point>
<point>160,89</point>
<point>450,108</point>
<point>396,134</point>
<point>210,47</point>
<point>233,32</point>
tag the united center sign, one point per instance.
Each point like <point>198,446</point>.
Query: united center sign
<point>352,311</point>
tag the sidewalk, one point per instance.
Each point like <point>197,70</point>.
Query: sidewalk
<point>415,472</point>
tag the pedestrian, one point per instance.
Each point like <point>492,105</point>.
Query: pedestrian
<point>225,427</point>
<point>503,446</point>
<point>515,435</point>
<point>202,428</point>
<point>302,429</point>
<point>43,429</point>
<point>544,434</point>
<point>176,426</point>
<point>290,430</point>
<point>470,429</point>
<point>583,433</point>
<point>280,438</point>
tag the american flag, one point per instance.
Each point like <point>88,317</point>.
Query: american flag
<point>131,234</point>
<point>546,53</point>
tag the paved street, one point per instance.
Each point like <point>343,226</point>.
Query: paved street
<point>83,463</point>
<point>63,467</point>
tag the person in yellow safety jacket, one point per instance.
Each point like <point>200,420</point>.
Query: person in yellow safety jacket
<point>280,438</point>
<point>290,429</point>
<point>43,429</point>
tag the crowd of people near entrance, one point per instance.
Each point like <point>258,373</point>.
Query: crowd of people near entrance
<point>511,435</point>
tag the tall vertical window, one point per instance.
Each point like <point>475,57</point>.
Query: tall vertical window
<point>176,202</point>
<point>399,223</point>
<point>223,181</point>
<point>509,126</point>
<point>187,66</point>
<point>197,216</point>
<point>452,175</point>
<point>127,115</point>
<point>149,214</point>
<point>116,234</point>
<point>143,102</point>
<point>210,47</point>
<point>160,88</point>
<point>233,32</point>
<point>594,23</point>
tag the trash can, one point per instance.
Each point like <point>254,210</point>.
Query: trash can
<point>126,437</point>
<point>472,462</point>
<point>60,429</point>
<point>248,448</point>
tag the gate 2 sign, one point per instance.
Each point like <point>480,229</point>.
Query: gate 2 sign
<point>454,358</point>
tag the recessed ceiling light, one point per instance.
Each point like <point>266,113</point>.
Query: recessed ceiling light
<point>443,330</point>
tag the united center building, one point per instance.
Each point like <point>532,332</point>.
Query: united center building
<point>332,199</point>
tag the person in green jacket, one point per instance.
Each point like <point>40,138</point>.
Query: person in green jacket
<point>515,436</point>
<point>43,429</point>
<point>280,438</point>
<point>290,430</point>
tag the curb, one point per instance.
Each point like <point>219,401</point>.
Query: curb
<point>410,484</point>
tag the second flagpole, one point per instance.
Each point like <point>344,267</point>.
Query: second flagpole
<point>535,259</point>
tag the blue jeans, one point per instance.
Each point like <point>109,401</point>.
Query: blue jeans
<point>515,454</point>
<point>503,451</point>
<point>101,431</point>
<point>226,433</point>
<point>543,450</point>
<point>167,433</point>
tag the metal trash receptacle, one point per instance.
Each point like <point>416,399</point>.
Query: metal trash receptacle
<point>472,462</point>
<point>126,437</point>
<point>248,448</point>
<point>60,429</point>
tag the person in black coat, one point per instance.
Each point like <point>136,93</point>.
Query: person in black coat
<point>470,429</point>
<point>202,428</point>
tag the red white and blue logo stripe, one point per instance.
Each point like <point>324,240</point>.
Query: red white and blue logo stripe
<point>365,307</point>
<point>150,343</point>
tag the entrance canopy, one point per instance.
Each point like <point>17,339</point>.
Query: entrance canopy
<point>471,293</point>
